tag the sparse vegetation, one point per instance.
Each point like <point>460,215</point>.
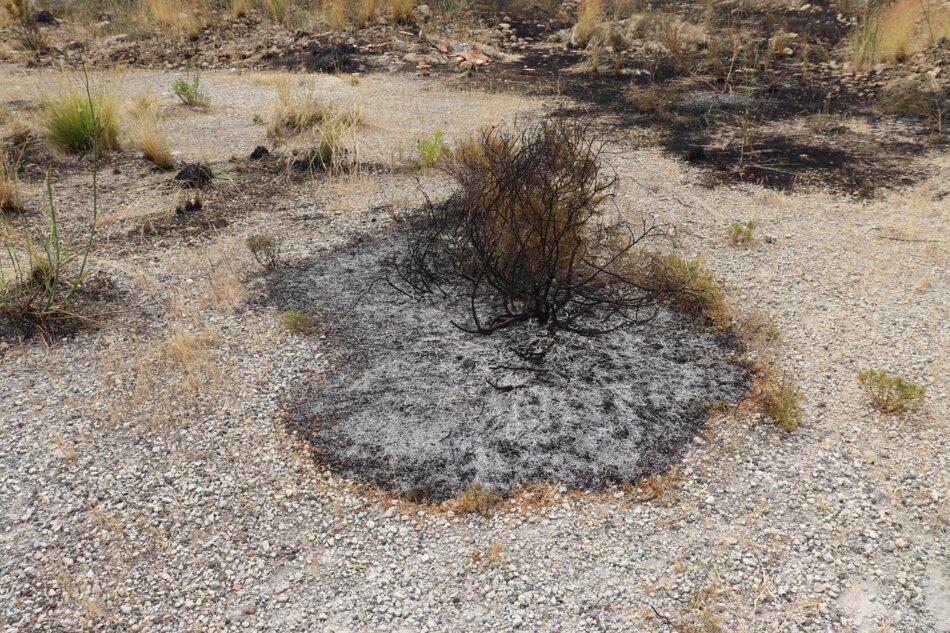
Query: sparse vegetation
<point>189,91</point>
<point>432,149</point>
<point>73,125</point>
<point>475,500</point>
<point>149,133</point>
<point>590,16</point>
<point>890,393</point>
<point>265,249</point>
<point>742,233</point>
<point>25,29</point>
<point>530,224</point>
<point>688,286</point>
<point>921,96</point>
<point>892,31</point>
<point>10,198</point>
<point>300,321</point>
<point>782,402</point>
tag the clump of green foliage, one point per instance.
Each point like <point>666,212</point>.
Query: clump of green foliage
<point>265,249</point>
<point>300,321</point>
<point>432,149</point>
<point>78,118</point>
<point>742,233</point>
<point>890,393</point>
<point>189,91</point>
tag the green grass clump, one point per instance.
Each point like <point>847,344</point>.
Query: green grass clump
<point>742,233</point>
<point>190,93</point>
<point>299,321</point>
<point>77,120</point>
<point>890,393</point>
<point>432,149</point>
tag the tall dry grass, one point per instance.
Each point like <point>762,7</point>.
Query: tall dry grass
<point>148,132</point>
<point>894,31</point>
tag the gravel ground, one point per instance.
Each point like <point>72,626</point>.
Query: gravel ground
<point>146,488</point>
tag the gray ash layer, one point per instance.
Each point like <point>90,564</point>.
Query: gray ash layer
<point>414,404</point>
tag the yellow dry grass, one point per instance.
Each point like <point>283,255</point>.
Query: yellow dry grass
<point>148,132</point>
<point>894,31</point>
<point>590,15</point>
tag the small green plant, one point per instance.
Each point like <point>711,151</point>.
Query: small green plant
<point>189,91</point>
<point>70,123</point>
<point>265,249</point>
<point>257,119</point>
<point>43,268</point>
<point>300,321</point>
<point>432,149</point>
<point>742,233</point>
<point>782,403</point>
<point>890,393</point>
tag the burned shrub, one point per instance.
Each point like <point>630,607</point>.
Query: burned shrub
<point>530,233</point>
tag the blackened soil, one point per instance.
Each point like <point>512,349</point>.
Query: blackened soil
<point>414,404</point>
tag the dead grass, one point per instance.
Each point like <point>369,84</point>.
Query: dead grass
<point>10,194</point>
<point>474,500</point>
<point>661,488</point>
<point>400,11</point>
<point>148,132</point>
<point>652,99</point>
<point>688,286</point>
<point>893,32</point>
<point>590,17</point>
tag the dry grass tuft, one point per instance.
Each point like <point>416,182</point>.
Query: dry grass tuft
<point>661,488</point>
<point>238,8</point>
<point>652,99</point>
<point>149,133</point>
<point>475,500</point>
<point>590,17</point>
<point>892,32</point>
<point>689,287</point>
<point>10,197</point>
<point>26,31</point>
<point>281,11</point>
<point>400,11</point>
<point>782,402</point>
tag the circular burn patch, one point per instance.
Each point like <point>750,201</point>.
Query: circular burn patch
<point>413,404</point>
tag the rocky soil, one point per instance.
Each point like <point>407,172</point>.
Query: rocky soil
<point>146,488</point>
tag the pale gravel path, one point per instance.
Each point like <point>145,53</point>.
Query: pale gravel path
<point>208,518</point>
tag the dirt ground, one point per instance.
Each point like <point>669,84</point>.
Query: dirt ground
<point>147,481</point>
